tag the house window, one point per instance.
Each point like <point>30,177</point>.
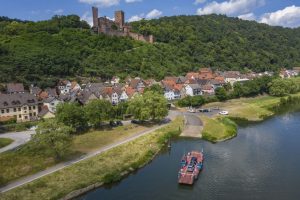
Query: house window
<point>34,114</point>
<point>19,109</point>
<point>2,111</point>
<point>20,116</point>
<point>25,108</point>
<point>7,110</point>
<point>15,110</point>
<point>33,107</point>
<point>26,117</point>
<point>29,107</point>
<point>30,114</point>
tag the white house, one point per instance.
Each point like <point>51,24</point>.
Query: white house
<point>169,95</point>
<point>193,90</point>
<point>52,103</point>
<point>64,87</point>
<point>115,80</point>
<point>114,98</point>
<point>123,97</point>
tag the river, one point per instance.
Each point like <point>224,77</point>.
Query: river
<point>262,162</point>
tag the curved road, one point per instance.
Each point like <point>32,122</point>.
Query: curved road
<point>19,138</point>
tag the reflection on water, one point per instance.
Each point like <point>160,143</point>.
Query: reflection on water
<point>263,162</point>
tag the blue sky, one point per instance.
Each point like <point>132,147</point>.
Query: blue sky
<point>273,12</point>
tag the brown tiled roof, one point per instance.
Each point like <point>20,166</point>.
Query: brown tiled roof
<point>43,111</point>
<point>130,91</point>
<point>15,87</point>
<point>206,87</point>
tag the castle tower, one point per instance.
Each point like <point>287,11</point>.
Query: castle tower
<point>120,18</point>
<point>95,17</point>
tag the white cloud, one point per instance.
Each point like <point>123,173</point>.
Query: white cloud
<point>133,1</point>
<point>88,18</point>
<point>287,17</point>
<point>58,12</point>
<point>135,18</point>
<point>230,7</point>
<point>248,16</point>
<point>101,3</point>
<point>154,14</point>
<point>199,2</point>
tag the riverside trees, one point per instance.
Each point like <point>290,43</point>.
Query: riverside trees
<point>53,138</point>
<point>151,105</point>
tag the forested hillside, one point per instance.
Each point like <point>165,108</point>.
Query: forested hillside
<point>42,52</point>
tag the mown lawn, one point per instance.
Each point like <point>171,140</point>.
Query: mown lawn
<point>251,109</point>
<point>16,164</point>
<point>5,141</point>
<point>96,139</point>
<point>103,168</point>
<point>218,129</point>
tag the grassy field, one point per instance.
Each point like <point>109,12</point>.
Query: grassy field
<point>251,109</point>
<point>218,129</point>
<point>104,168</point>
<point>96,139</point>
<point>20,163</point>
<point>5,141</point>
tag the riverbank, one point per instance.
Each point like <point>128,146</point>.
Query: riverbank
<point>107,167</point>
<point>218,128</point>
<point>26,161</point>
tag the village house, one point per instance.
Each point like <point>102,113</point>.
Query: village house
<point>35,90</point>
<point>232,77</point>
<point>208,89</point>
<point>64,86</point>
<point>206,73</point>
<point>115,80</point>
<point>15,88</point>
<point>21,106</point>
<point>45,113</point>
<point>137,84</point>
<point>193,90</point>
<point>52,103</point>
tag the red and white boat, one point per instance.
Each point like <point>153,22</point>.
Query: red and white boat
<point>191,166</point>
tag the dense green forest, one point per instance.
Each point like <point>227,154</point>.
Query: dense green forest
<point>41,52</point>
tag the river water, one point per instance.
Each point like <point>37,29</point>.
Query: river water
<point>262,162</point>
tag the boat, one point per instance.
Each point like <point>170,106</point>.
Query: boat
<point>191,166</point>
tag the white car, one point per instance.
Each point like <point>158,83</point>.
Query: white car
<point>192,110</point>
<point>224,112</point>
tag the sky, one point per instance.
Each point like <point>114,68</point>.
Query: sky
<point>273,12</point>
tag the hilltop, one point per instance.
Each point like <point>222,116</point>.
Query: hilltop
<point>64,46</point>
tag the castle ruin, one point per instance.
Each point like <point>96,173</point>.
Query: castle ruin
<point>117,27</point>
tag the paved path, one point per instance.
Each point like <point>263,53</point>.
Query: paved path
<point>193,126</point>
<point>60,166</point>
<point>19,138</point>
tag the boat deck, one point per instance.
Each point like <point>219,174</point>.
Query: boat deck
<point>185,176</point>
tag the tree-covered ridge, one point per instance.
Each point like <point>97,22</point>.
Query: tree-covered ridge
<point>42,52</point>
<point>227,43</point>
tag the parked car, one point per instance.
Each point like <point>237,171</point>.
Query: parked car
<point>204,110</point>
<point>165,121</point>
<point>113,124</point>
<point>119,123</point>
<point>134,121</point>
<point>224,112</point>
<point>216,108</point>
